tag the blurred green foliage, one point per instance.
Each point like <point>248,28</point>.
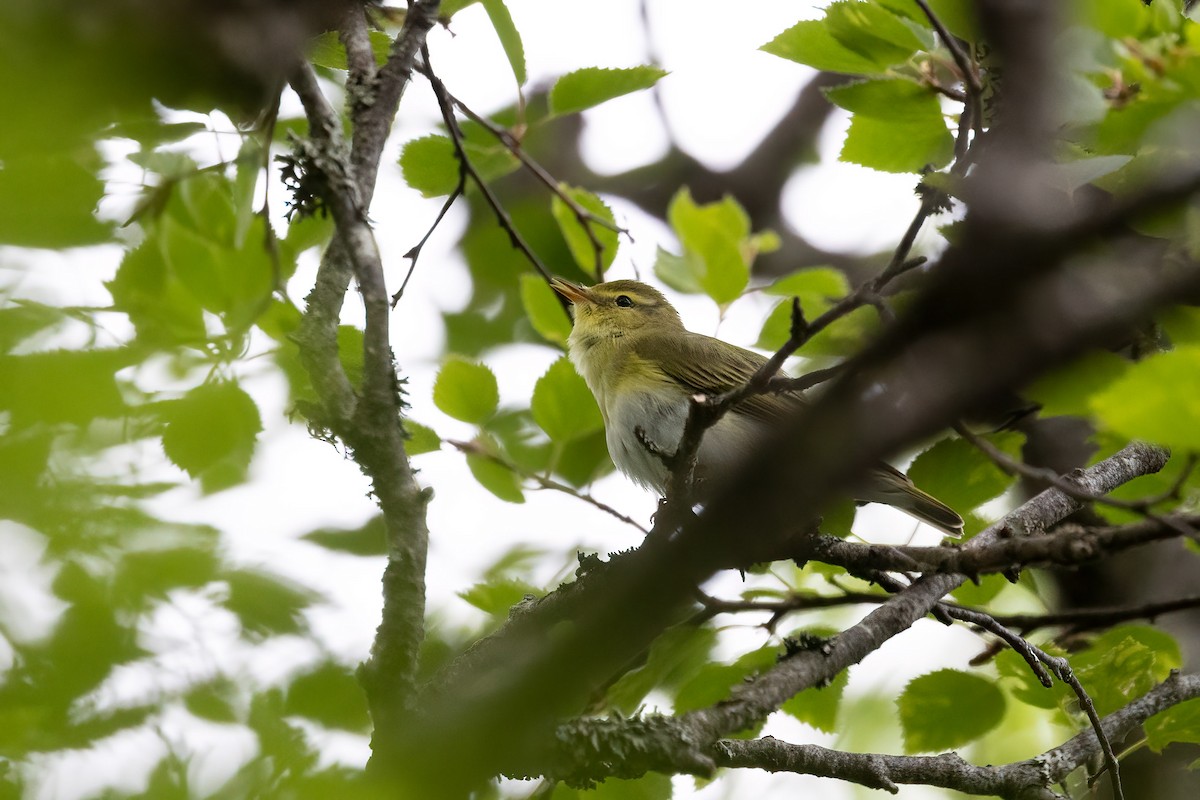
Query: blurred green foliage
<point>158,374</point>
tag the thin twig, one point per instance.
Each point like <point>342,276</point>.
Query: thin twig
<point>445,104</point>
<point>585,218</point>
<point>1143,506</point>
<point>474,449</point>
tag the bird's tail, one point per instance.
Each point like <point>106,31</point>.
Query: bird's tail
<point>892,487</point>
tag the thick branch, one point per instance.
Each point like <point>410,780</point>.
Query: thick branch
<point>1067,546</point>
<point>752,702</point>
<point>1021,780</point>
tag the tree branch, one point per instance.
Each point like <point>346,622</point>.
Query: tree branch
<point>1022,780</point>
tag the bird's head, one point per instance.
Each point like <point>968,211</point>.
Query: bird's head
<point>617,309</point>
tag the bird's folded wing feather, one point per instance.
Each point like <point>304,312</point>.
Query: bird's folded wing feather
<point>703,365</point>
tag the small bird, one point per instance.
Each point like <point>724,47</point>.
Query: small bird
<point>643,366</point>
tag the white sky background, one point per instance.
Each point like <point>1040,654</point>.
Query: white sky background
<point>722,95</point>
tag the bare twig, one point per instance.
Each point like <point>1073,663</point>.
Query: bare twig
<point>445,104</point>
<point>585,218</point>
<point>475,449</point>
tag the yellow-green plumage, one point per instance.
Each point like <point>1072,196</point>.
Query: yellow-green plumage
<point>643,365</point>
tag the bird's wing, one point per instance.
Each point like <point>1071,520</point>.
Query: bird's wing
<point>703,365</point>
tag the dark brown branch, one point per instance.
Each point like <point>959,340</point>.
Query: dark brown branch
<point>445,104</point>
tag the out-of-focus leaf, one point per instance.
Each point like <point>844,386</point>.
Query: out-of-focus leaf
<point>1124,663</point>
<point>50,201</point>
<point>466,391</point>
<point>266,604</point>
<point>675,657</point>
<point>330,695</point>
<point>1178,724</point>
<point>63,385</point>
<point>21,319</point>
<point>576,236</point>
<point>581,461</point>
<point>1070,389</point>
<point>420,438</point>
<point>216,702</point>
<point>545,313</point>
<point>563,405</point>
<point>211,433</point>
<point>368,540</point>
<point>1170,413</point>
<point>652,786</point>
<point>591,86</point>
<point>498,596</point>
<point>947,709</point>
<point>715,235</point>
<point>326,50</point>
<point>510,37</point>
<point>962,477</point>
<point>818,706</point>
<point>712,683</point>
<point>493,476</point>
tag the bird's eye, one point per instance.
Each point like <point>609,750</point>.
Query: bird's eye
<point>624,302</point>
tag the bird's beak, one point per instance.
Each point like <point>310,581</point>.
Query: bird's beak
<point>572,291</point>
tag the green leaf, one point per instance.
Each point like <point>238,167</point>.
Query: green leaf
<point>872,31</point>
<point>1157,399</point>
<point>497,597</point>
<point>948,709</point>
<point>811,43</point>
<point>715,234</point>
<point>510,37</point>
<point>350,352</point>
<point>430,164</point>
<point>1071,176</point>
<point>331,695</point>
<point>63,386</point>
<point>326,50</point>
<point>466,390</point>
<point>890,145</point>
<point>581,461</point>
<point>50,200</point>
<point>1026,687</point>
<point>675,657</point>
<point>216,702</point>
<point>681,273</point>
<point>817,287</point>
<point>496,478</point>
<point>546,314</point>
<point>368,540</point>
<point>266,604</point>
<point>211,432</point>
<point>818,706</point>
<point>651,786</point>
<point>24,318</point>
<point>1124,663</point>
<point>713,683</point>
<point>959,16</point>
<point>576,236</point>
<point>591,86</point>
<point>1070,389</point>
<point>420,438</point>
<point>1180,723</point>
<point>844,336</point>
<point>959,475</point>
<point>562,404</point>
<point>896,99</point>
<point>163,310</point>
